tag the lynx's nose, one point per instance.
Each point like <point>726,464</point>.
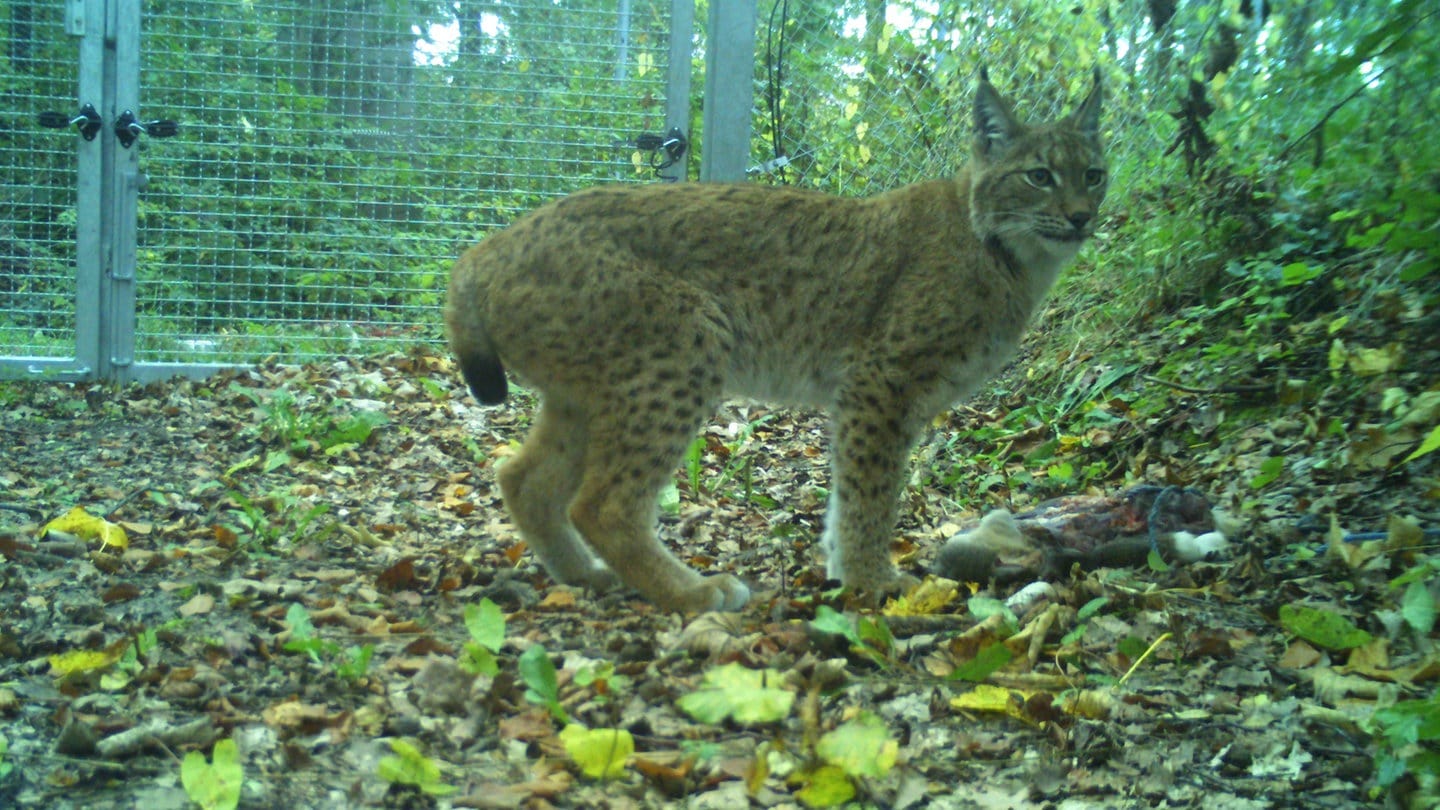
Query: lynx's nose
<point>1079,219</point>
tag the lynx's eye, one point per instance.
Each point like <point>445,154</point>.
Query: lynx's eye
<point>1040,178</point>
<point>1094,177</point>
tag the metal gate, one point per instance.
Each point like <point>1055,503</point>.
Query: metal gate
<point>328,162</point>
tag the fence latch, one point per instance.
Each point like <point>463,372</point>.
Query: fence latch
<point>87,121</point>
<point>128,128</point>
<point>665,150</point>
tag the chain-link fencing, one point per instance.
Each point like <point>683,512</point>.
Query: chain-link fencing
<point>331,160</point>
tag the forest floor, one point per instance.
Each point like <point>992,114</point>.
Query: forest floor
<point>317,567</point>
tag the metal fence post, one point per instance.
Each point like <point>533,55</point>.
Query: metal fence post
<point>122,187</point>
<point>86,18</point>
<point>677,81</point>
<point>729,90</point>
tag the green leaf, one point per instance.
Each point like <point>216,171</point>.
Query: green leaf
<point>1430,445</point>
<point>826,786</point>
<point>477,660</point>
<point>410,767</point>
<point>983,607</point>
<point>832,622</point>
<point>1418,608</point>
<point>1091,608</point>
<point>1155,562</point>
<point>601,753</point>
<point>986,662</point>
<point>1270,469</point>
<point>1323,628</point>
<point>356,663</point>
<point>213,785</point>
<point>486,624</point>
<point>299,620</point>
<point>538,673</point>
<point>861,747</point>
<point>749,696</point>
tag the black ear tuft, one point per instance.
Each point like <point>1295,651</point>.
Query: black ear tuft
<point>995,124</point>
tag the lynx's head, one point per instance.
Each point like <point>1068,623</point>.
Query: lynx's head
<point>1035,189</point>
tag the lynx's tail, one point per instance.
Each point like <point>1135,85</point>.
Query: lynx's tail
<point>479,361</point>
<point>484,373</point>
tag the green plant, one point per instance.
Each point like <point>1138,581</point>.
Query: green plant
<point>410,767</point>
<point>869,636</point>
<point>278,517</point>
<point>351,663</point>
<point>537,672</point>
<point>486,625</point>
<point>214,785</point>
<point>860,748</point>
<point>1407,741</point>
<point>748,696</point>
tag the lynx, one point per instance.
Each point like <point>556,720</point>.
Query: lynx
<point>633,311</point>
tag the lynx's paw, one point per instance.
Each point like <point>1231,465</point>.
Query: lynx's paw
<point>720,592</point>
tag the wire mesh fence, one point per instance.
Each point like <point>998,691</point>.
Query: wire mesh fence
<point>346,156</point>
<point>37,204</point>
<point>333,159</point>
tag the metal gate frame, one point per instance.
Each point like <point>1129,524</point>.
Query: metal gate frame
<point>109,177</point>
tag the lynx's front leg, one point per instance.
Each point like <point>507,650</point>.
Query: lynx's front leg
<point>871,446</point>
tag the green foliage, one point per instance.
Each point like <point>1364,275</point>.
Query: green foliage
<point>213,785</point>
<point>301,429</point>
<point>351,663</point>
<point>537,672</point>
<point>1407,740</point>
<point>860,748</point>
<point>278,517</point>
<point>486,625</point>
<point>869,636</point>
<point>410,767</point>
<point>749,696</point>
<point>985,663</point>
<point>1322,628</point>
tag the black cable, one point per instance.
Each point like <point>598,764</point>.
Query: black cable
<point>775,77</point>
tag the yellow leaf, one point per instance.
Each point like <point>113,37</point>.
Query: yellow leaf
<point>987,698</point>
<point>927,598</point>
<point>645,63</point>
<point>601,753</point>
<point>860,130</point>
<point>1365,362</point>
<point>80,661</point>
<point>86,526</point>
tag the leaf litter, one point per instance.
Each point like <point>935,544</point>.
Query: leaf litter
<point>319,598</point>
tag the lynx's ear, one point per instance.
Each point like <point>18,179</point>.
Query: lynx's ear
<point>995,124</point>
<point>1086,117</point>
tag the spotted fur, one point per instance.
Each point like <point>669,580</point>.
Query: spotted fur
<point>634,310</point>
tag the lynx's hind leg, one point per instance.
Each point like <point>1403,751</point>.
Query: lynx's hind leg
<point>538,484</point>
<point>637,437</point>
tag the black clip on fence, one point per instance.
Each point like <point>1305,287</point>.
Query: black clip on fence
<point>128,128</point>
<point>665,151</point>
<point>87,121</point>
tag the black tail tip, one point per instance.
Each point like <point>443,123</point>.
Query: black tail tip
<point>486,378</point>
